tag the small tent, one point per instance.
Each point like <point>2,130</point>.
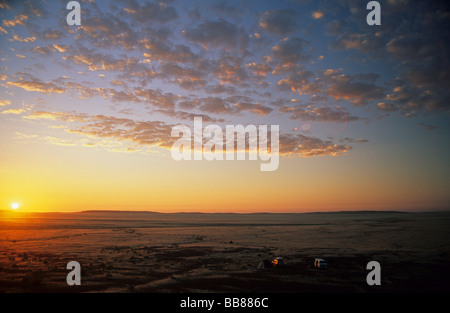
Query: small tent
<point>264,264</point>
<point>320,263</point>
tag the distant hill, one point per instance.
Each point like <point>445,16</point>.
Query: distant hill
<point>115,211</point>
<point>361,212</point>
<point>126,212</point>
<point>329,212</point>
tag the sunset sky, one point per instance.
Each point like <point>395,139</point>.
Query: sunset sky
<point>86,111</point>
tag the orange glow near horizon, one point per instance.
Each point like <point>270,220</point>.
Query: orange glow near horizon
<point>163,185</point>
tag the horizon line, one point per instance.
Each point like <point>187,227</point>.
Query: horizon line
<point>237,213</point>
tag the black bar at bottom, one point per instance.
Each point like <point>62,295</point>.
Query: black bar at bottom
<point>211,302</point>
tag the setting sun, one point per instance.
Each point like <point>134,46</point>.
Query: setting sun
<point>15,205</point>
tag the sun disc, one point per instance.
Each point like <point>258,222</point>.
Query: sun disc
<point>15,205</point>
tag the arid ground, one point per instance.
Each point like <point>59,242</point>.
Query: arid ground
<point>194,252</point>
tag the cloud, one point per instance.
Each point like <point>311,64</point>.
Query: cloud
<point>38,86</point>
<point>424,79</point>
<point>184,76</point>
<point>44,50</point>
<point>357,89</point>
<point>360,89</point>
<point>300,83</point>
<point>366,43</point>
<point>61,116</point>
<point>230,71</point>
<point>61,48</point>
<point>406,47</point>
<point>117,83</point>
<point>189,83</point>
<point>156,133</point>
<point>4,102</point>
<point>156,61</point>
<point>102,126</point>
<point>304,146</point>
<point>156,97</point>
<point>218,34</point>
<point>58,141</point>
<point>320,114</point>
<point>415,39</point>
<point>335,27</point>
<point>86,92</point>
<point>97,61</point>
<point>218,89</point>
<point>386,107</point>
<point>5,5</point>
<point>215,105</point>
<point>256,108</point>
<point>317,14</point>
<point>52,49</point>
<point>123,96</point>
<point>18,38</point>
<point>13,111</point>
<point>158,50</point>
<point>19,135</point>
<point>353,140</point>
<point>143,133</point>
<point>427,126</point>
<point>231,105</point>
<point>259,69</point>
<point>411,100</point>
<point>109,31</point>
<point>52,34</point>
<point>151,12</point>
<point>290,51</point>
<point>221,8</point>
<point>188,116</point>
<point>34,9</point>
<point>18,20</point>
<point>279,22</point>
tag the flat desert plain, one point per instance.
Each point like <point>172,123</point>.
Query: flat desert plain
<point>151,252</point>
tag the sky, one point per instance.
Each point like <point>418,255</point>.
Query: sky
<point>86,111</point>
